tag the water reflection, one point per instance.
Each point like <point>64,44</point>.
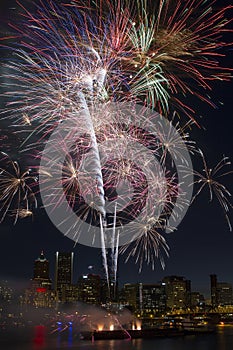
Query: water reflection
<point>70,335</point>
<point>39,337</point>
<point>59,329</point>
<point>225,337</point>
<point>67,337</point>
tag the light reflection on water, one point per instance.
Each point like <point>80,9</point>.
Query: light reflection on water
<point>69,340</point>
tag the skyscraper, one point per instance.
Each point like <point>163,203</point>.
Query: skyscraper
<point>41,268</point>
<point>178,292</point>
<point>145,299</point>
<point>130,296</point>
<point>213,289</point>
<point>41,272</point>
<point>89,289</point>
<point>63,274</point>
<point>224,294</point>
<point>221,292</point>
<point>39,294</point>
<point>152,299</point>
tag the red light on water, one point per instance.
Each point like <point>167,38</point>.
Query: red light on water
<point>39,338</point>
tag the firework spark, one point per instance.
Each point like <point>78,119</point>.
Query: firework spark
<point>209,179</point>
<point>149,245</point>
<point>156,60</point>
<point>16,192</point>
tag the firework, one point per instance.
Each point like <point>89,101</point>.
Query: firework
<point>16,190</point>
<point>149,245</point>
<point>173,139</point>
<point>209,179</point>
<point>67,50</point>
<point>137,188</point>
<point>120,143</point>
<point>186,44</point>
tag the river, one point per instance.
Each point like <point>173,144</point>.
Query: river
<point>221,340</point>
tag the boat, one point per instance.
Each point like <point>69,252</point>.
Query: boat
<point>194,326</point>
<point>149,333</point>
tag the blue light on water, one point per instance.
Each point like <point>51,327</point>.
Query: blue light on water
<point>70,335</point>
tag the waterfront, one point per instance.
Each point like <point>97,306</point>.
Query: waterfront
<point>39,340</point>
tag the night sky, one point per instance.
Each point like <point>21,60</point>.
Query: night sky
<point>202,244</point>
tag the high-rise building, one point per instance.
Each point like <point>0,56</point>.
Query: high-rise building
<point>39,294</point>
<point>152,299</point>
<point>221,292</point>
<point>178,292</point>
<point>224,292</point>
<point>63,274</point>
<point>213,290</point>
<point>145,299</point>
<point>197,299</point>
<point>89,289</point>
<point>41,267</point>
<point>130,296</point>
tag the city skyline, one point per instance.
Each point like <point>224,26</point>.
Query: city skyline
<point>48,271</point>
<point>173,294</point>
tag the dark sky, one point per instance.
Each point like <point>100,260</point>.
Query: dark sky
<point>202,244</point>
